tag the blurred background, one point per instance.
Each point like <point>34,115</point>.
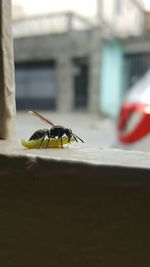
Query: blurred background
<point>77,61</point>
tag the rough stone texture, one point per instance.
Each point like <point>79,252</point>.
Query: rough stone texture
<point>7,87</point>
<point>74,207</point>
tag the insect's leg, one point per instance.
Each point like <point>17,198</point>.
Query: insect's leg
<point>49,137</point>
<point>69,137</point>
<point>42,140</point>
<point>46,133</point>
<point>48,142</point>
<point>60,138</point>
<point>61,142</point>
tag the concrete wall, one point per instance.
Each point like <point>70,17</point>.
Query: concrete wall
<point>63,48</point>
<point>76,207</point>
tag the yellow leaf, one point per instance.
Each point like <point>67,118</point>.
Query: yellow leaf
<point>53,143</point>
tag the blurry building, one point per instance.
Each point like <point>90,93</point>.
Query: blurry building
<point>125,20</point>
<point>137,56</point>
<point>57,60</point>
<point>68,62</point>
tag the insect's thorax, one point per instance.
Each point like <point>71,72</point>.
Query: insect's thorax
<point>57,131</point>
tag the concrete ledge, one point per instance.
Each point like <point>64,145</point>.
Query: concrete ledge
<point>79,153</point>
<point>74,207</point>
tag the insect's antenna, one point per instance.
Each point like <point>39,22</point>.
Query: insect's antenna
<point>37,114</point>
<point>78,138</point>
<point>75,138</point>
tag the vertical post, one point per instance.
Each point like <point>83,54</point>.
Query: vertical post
<point>99,12</point>
<point>69,20</point>
<point>64,84</point>
<point>7,85</point>
<point>94,72</point>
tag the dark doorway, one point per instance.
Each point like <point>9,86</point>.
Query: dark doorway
<point>136,65</point>
<point>80,67</point>
<point>35,86</point>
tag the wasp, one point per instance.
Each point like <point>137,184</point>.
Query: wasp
<point>55,132</point>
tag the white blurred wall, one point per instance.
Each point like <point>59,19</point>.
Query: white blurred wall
<point>123,17</point>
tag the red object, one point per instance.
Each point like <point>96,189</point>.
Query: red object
<point>140,129</point>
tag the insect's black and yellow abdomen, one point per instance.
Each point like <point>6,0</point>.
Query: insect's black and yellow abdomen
<point>39,134</point>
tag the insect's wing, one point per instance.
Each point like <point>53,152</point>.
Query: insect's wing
<point>37,114</point>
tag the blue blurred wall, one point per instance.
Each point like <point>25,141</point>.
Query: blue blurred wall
<point>111,83</point>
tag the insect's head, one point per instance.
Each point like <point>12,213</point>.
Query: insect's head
<point>68,132</point>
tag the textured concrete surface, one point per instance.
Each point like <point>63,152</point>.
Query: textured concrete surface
<point>80,153</point>
<point>74,207</point>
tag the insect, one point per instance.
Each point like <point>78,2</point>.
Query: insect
<point>55,132</point>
